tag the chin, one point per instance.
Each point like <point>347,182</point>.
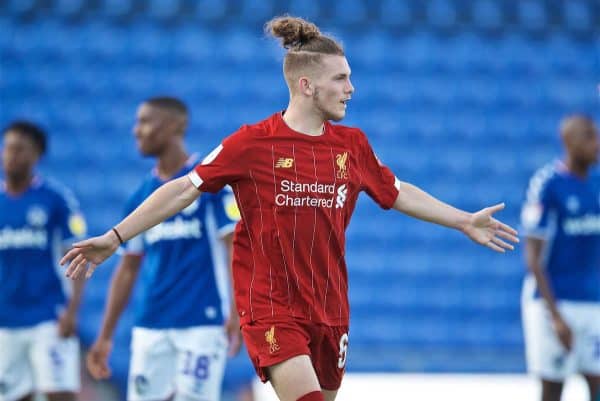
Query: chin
<point>337,116</point>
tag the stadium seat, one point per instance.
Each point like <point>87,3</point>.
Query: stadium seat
<point>350,12</point>
<point>68,8</point>
<point>578,16</point>
<point>164,9</point>
<point>309,9</point>
<point>396,13</point>
<point>487,15</point>
<point>20,7</point>
<point>532,15</point>
<point>256,10</point>
<point>210,9</point>
<point>442,14</point>
<point>116,8</point>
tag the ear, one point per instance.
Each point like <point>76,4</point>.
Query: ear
<point>306,86</point>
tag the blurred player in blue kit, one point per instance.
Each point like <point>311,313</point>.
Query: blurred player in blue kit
<point>39,352</point>
<point>561,294</point>
<point>179,342</point>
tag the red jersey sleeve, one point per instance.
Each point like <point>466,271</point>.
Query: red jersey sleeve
<point>378,181</point>
<point>226,164</point>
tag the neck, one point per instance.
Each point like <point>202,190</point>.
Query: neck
<point>302,120</point>
<point>576,167</point>
<point>171,161</point>
<point>18,184</point>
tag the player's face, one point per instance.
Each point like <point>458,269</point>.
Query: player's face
<point>19,155</point>
<point>332,87</point>
<point>588,145</point>
<point>151,130</point>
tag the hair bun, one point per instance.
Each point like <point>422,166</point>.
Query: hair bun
<point>294,32</point>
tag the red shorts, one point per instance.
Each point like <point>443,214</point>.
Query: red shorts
<point>270,342</point>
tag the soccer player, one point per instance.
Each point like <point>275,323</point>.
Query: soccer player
<point>561,294</point>
<point>179,344</point>
<point>39,352</point>
<point>296,178</point>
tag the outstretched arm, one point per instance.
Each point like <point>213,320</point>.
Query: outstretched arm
<point>163,203</point>
<point>481,227</point>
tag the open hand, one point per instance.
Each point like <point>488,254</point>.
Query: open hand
<point>86,255</point>
<point>486,230</point>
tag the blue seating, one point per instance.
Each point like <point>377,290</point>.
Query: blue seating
<point>487,14</point>
<point>464,115</point>
<point>210,9</point>
<point>442,14</point>
<point>164,9</point>
<point>309,9</point>
<point>578,15</point>
<point>116,8</point>
<point>532,14</point>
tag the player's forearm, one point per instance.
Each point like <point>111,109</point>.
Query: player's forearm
<point>419,204</point>
<point>120,290</point>
<point>167,200</point>
<point>533,252</point>
<point>75,299</point>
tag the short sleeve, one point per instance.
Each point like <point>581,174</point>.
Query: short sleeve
<point>226,164</point>
<point>70,219</point>
<point>377,180</point>
<point>226,210</point>
<point>539,206</point>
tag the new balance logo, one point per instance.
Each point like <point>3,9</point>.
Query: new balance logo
<point>284,162</point>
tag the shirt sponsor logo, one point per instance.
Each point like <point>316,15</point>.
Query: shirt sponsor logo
<point>176,229</point>
<point>342,193</point>
<point>341,161</point>
<point>585,225</point>
<point>331,196</point>
<point>271,340</point>
<point>284,162</point>
<point>20,238</point>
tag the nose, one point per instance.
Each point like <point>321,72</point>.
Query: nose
<point>349,87</point>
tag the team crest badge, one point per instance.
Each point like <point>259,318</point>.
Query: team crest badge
<point>342,163</point>
<point>271,340</point>
<point>572,204</point>
<point>37,216</point>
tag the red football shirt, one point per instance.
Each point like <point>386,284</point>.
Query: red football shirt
<point>296,194</point>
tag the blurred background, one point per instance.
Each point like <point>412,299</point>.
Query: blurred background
<point>462,98</point>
